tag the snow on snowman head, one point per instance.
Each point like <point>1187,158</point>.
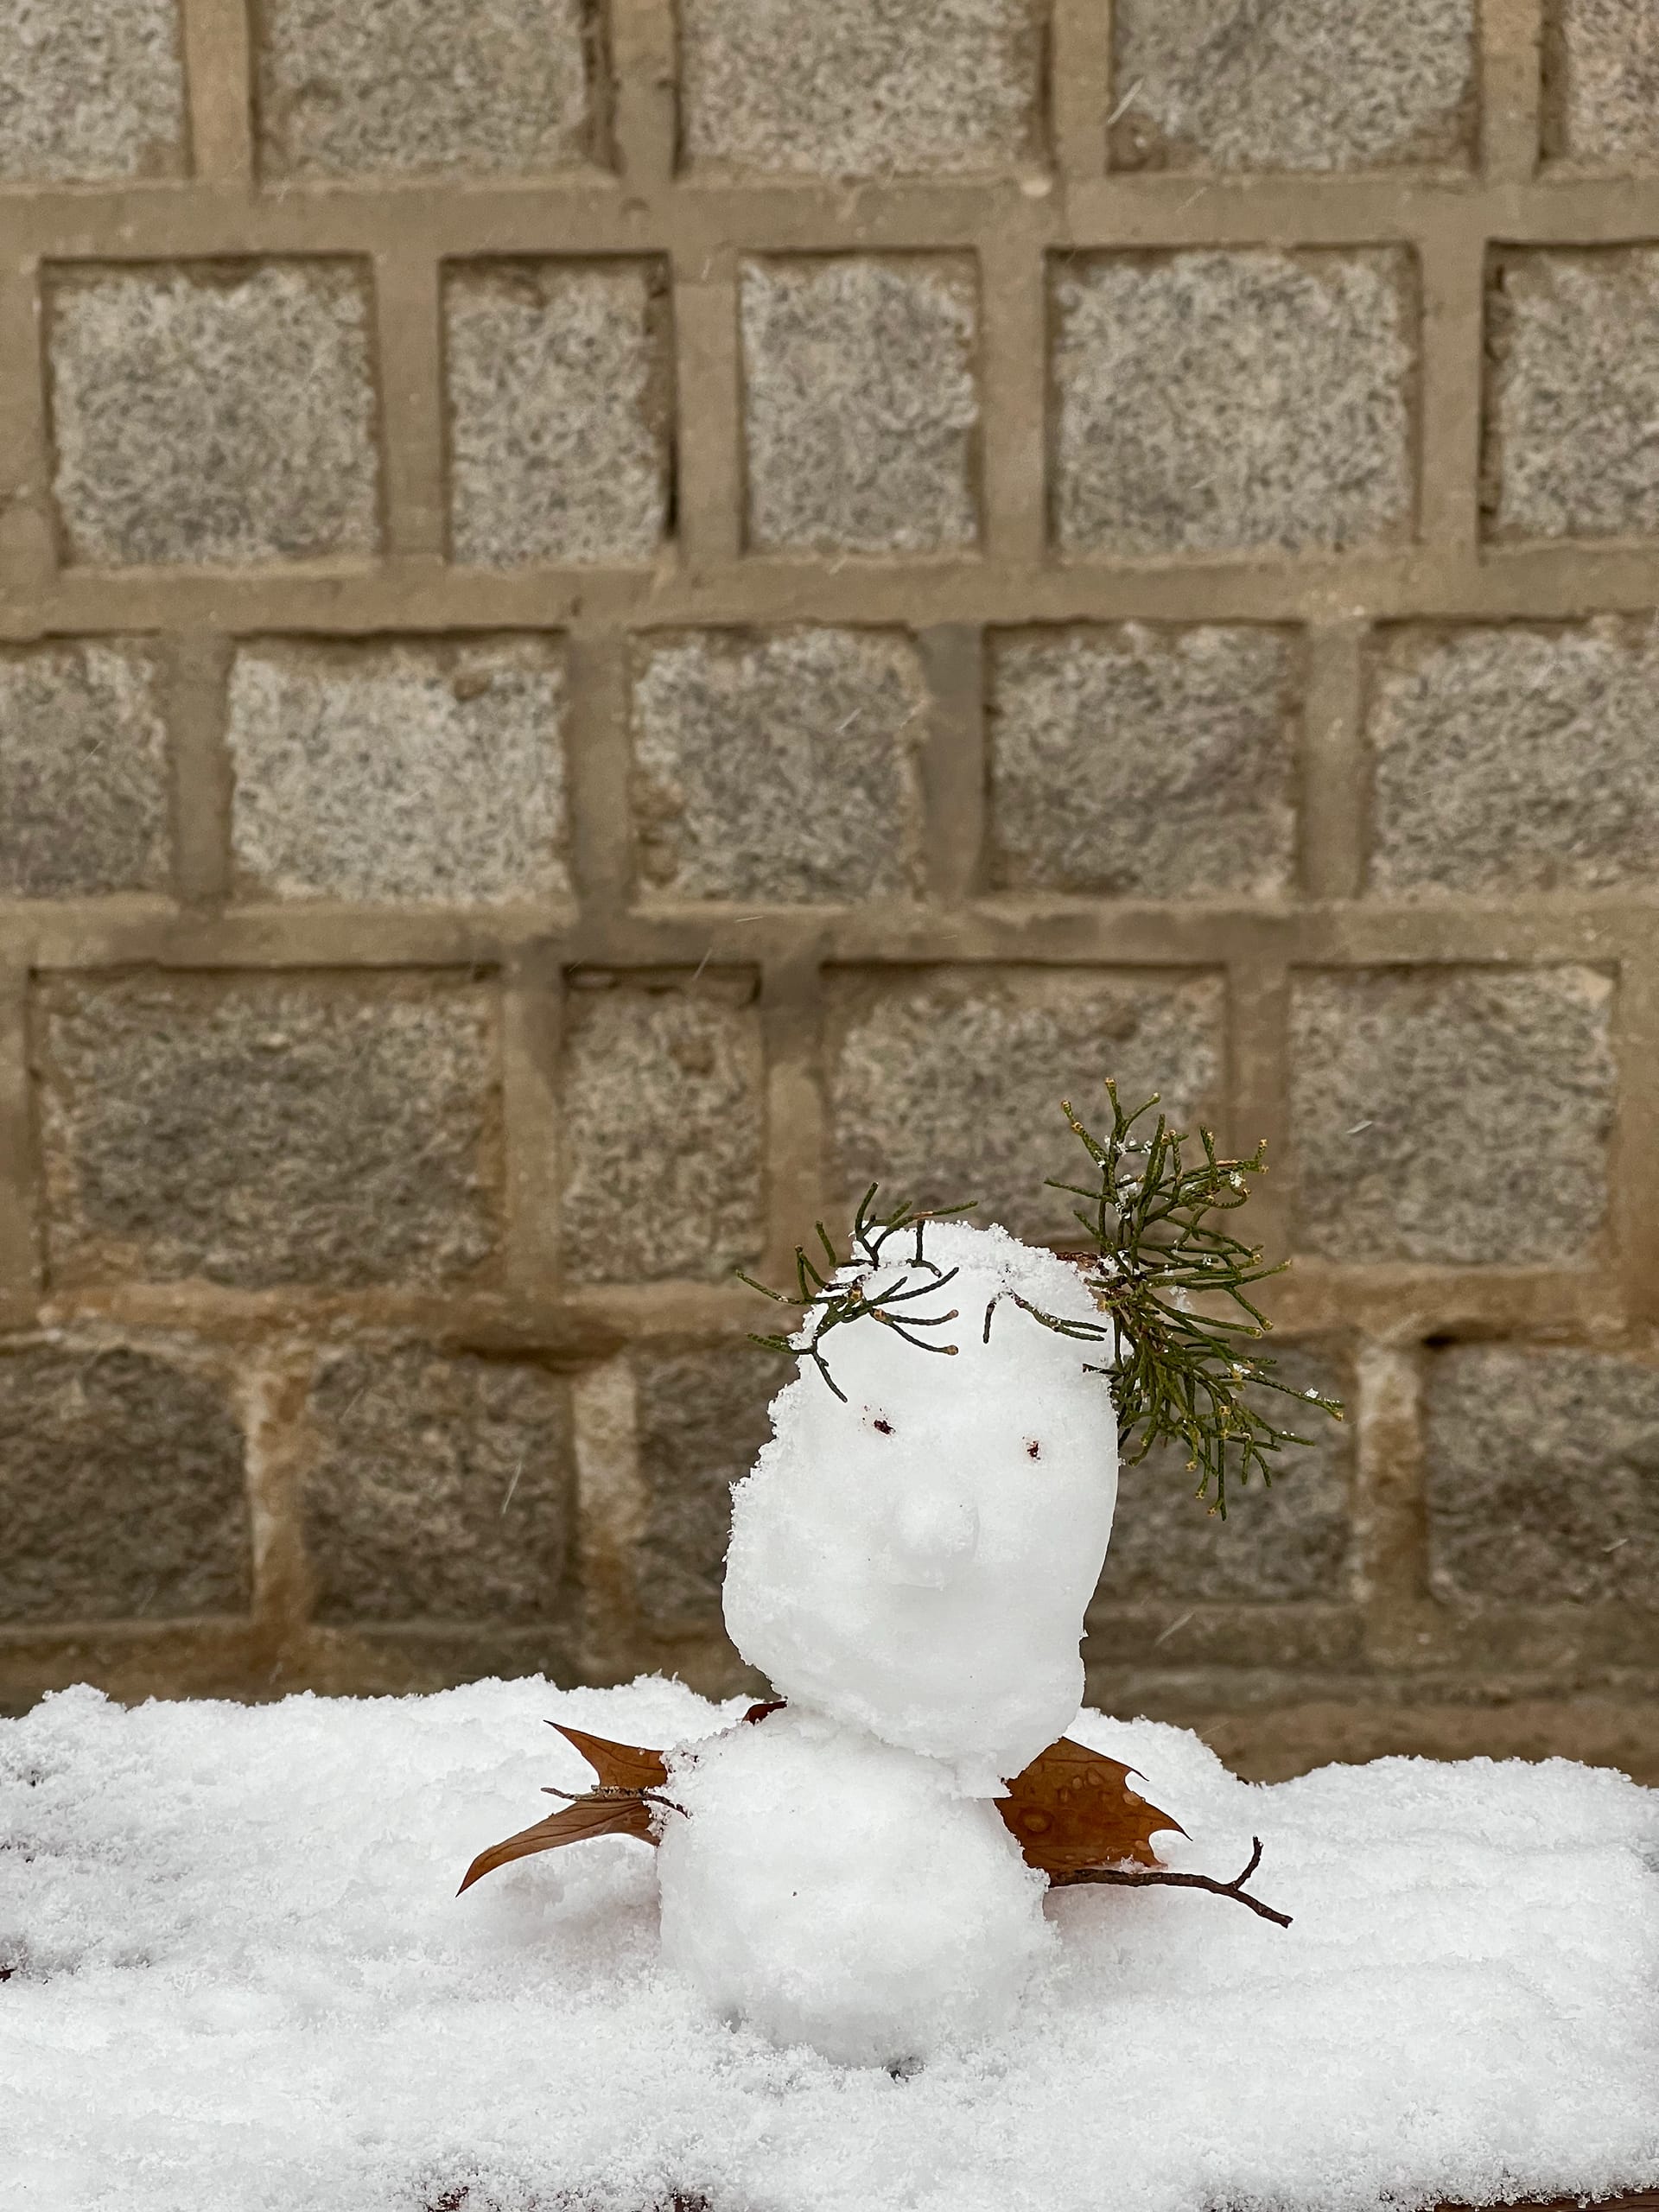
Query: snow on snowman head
<point>915,1548</point>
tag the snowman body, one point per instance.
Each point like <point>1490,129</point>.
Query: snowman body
<point>910,1564</point>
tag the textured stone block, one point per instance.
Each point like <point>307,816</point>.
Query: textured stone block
<point>860,410</point>
<point>426,772</point>
<point>946,1084</point>
<point>390,87</point>
<point>122,1493</point>
<point>560,411</point>
<point>1289,1542</point>
<point>1304,84</point>
<point>702,1419</point>
<point>1210,401</point>
<point>1573,341</point>
<point>1515,760</point>
<point>1543,1476</point>
<point>1458,1115</point>
<point>1142,762</point>
<point>859,88</point>
<point>441,1489</point>
<point>214,415</point>
<point>83,770</point>
<point>92,91</point>
<point>1602,86</point>
<point>271,1129</point>
<point>663,1128</point>
<point>780,768</point>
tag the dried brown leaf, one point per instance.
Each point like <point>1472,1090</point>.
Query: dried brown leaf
<point>623,1814</point>
<point>1073,1808</point>
<point>1070,1809</point>
<point>618,1766</point>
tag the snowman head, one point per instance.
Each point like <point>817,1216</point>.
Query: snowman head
<point>916,1547</point>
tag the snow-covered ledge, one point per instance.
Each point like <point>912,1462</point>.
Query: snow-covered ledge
<point>240,1981</point>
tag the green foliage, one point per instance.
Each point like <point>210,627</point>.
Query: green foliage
<point>1162,1264</point>
<point>832,1300</point>
<point>1179,1369</point>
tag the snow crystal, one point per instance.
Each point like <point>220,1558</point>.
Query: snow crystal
<point>240,1980</point>
<point>830,1889</point>
<point>916,1560</point>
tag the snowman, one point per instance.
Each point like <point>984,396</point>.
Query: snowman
<point>860,1866</point>
<point>910,1562</point>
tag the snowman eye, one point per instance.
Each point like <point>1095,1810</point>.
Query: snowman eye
<point>881,1424</point>
<point>1034,1449</point>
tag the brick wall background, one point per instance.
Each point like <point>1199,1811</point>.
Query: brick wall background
<point>614,623</point>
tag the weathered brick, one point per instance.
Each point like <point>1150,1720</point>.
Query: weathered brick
<point>1515,760</point>
<point>213,414</point>
<point>702,1419</point>
<point>1137,761</point>
<point>859,88</point>
<point>860,409</point>
<point>559,411</point>
<point>1305,84</point>
<point>1210,401</point>
<point>1543,1476</point>
<point>271,1129</point>
<point>946,1084</point>
<point>421,771</point>
<point>1573,339</point>
<point>663,1114</point>
<point>778,766</point>
<point>441,1489</point>
<point>1290,1542</point>
<point>1602,89</point>
<point>1452,1114</point>
<point>90,92</point>
<point>389,87</point>
<point>83,770</point>
<point>122,1491</point>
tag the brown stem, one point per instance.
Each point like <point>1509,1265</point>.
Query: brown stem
<point>1134,1876</point>
<point>603,1791</point>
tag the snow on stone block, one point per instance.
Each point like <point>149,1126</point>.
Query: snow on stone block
<point>239,1977</point>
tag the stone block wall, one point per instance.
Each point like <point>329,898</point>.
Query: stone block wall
<point>616,617</point>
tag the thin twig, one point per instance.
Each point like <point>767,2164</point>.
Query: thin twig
<point>608,1793</point>
<point>1139,1877</point>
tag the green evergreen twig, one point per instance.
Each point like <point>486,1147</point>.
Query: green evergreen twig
<point>1177,1373</point>
<point>842,1295</point>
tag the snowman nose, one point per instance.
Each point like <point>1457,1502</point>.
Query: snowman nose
<point>934,1534</point>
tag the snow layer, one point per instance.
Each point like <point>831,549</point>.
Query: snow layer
<point>242,1982</point>
<point>915,1561</point>
<point>832,1890</point>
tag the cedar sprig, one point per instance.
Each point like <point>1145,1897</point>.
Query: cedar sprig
<point>842,1294</point>
<point>1177,1374</point>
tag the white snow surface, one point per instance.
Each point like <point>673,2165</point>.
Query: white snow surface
<point>242,1982</point>
<point>916,1560</point>
<point>831,1890</point>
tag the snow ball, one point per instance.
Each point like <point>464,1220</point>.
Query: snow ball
<point>916,1559</point>
<point>829,1891</point>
